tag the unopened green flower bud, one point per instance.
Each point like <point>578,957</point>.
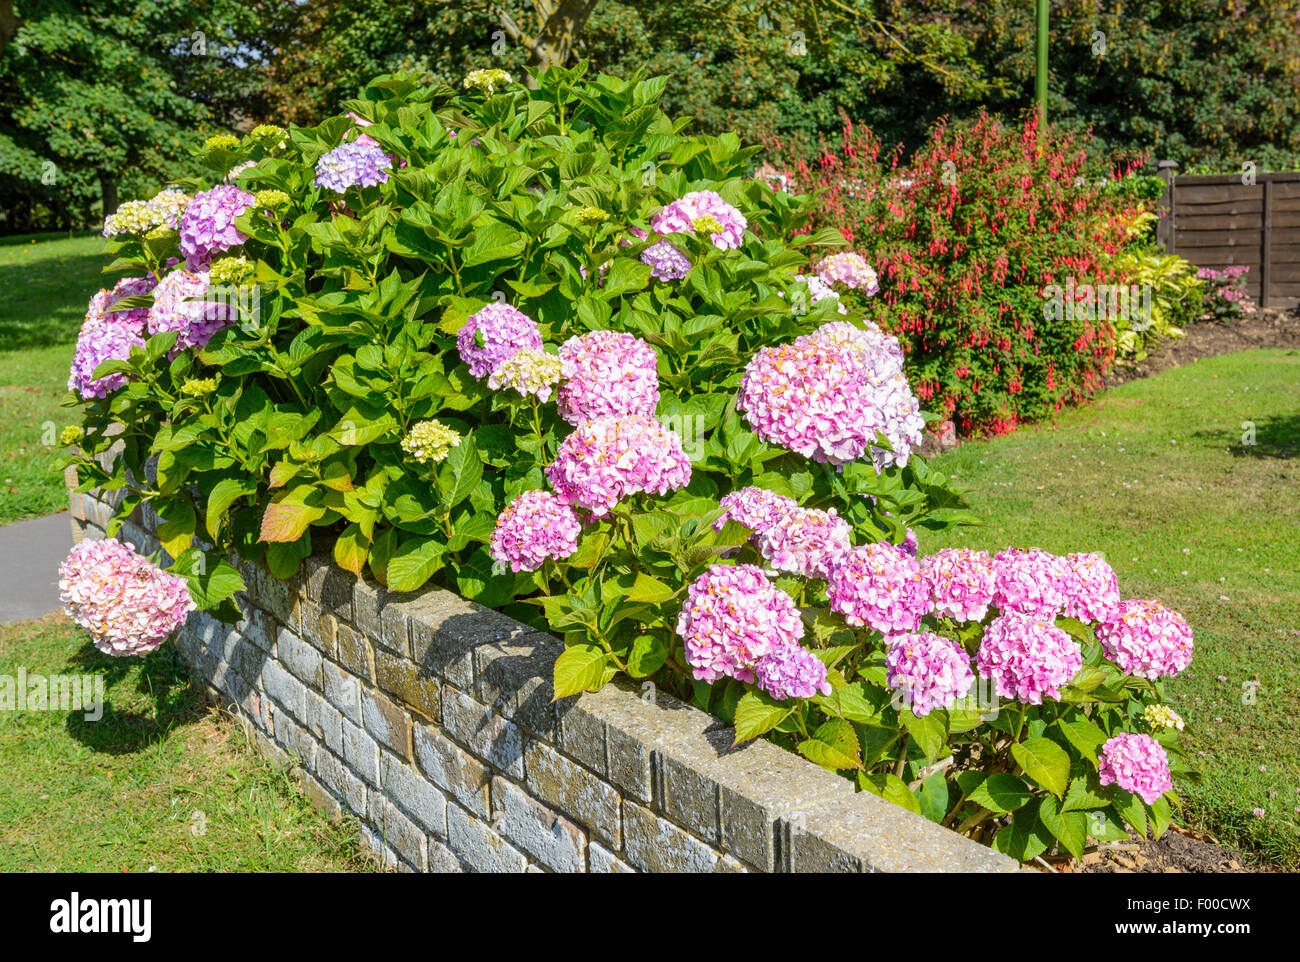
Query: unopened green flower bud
<point>230,270</point>
<point>271,199</point>
<point>221,142</point>
<point>72,434</point>
<point>199,386</point>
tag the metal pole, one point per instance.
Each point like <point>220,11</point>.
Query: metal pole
<point>1040,86</point>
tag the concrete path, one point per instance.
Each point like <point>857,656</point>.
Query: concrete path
<point>30,554</point>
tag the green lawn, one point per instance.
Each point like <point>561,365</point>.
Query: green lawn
<point>159,783</point>
<point>47,284</point>
<point>1154,474</point>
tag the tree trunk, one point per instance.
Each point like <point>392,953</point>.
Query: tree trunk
<point>108,191</point>
<point>561,22</point>
<point>8,23</point>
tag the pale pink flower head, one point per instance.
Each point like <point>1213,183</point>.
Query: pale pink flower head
<point>1028,657</point>
<point>851,270</point>
<point>1092,588</point>
<point>609,459</point>
<point>734,616</point>
<point>492,334</point>
<point>805,541</point>
<point>1146,639</point>
<point>128,604</point>
<point>791,671</point>
<point>756,508</point>
<point>702,211</point>
<point>879,586</point>
<point>960,583</point>
<point>1137,764</point>
<point>1031,582</point>
<point>929,670</point>
<point>535,526</point>
<point>607,374</point>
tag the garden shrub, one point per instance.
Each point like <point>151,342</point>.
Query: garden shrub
<point>966,236</point>
<point>541,348</point>
<point>1226,296</point>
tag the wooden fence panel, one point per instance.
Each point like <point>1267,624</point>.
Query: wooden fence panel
<point>1220,221</point>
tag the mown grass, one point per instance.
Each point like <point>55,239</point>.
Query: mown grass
<point>159,783</point>
<point>47,284</point>
<point>1155,474</point>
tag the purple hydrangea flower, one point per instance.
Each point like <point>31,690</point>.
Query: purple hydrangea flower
<point>180,304</point>
<point>791,671</point>
<point>930,671</point>
<point>960,582</point>
<point>358,163</point>
<point>805,541</point>
<point>494,333</point>
<point>208,225</point>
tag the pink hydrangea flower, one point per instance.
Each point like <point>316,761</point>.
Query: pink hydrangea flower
<point>960,583</point>
<point>879,586</point>
<point>1146,639</point>
<point>607,374</point>
<point>755,508</point>
<point>494,333</point>
<point>733,617</point>
<point>1028,657</point>
<point>930,671</point>
<point>699,207</point>
<point>108,335</point>
<point>1031,582</point>
<point>127,603</point>
<point>805,541</point>
<point>791,671</point>
<point>851,270</point>
<point>535,526</point>
<point>608,459</point>
<point>818,291</point>
<point>666,262</point>
<point>179,305</point>
<point>1137,764</point>
<point>208,225</point>
<point>1092,588</point>
<point>883,353</point>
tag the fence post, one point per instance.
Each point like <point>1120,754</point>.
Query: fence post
<point>1266,243</point>
<point>1166,170</point>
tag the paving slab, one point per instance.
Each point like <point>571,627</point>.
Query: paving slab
<point>30,555</point>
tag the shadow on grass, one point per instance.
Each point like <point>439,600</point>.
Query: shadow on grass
<point>46,299</point>
<point>1271,437</point>
<point>163,698</point>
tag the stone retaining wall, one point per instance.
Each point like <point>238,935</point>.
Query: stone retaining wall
<point>429,718</point>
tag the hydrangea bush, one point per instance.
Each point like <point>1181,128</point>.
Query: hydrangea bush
<point>541,348</point>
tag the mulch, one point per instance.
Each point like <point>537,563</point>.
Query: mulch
<point>1177,851</point>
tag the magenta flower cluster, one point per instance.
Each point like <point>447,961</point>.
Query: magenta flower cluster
<point>791,671</point>
<point>607,374</point>
<point>608,459</point>
<point>127,603</point>
<point>494,333</point>
<point>358,163</point>
<point>826,396</point>
<point>1137,764</point>
<point>535,526</point>
<point>1031,582</point>
<point>1091,588</point>
<point>881,587</point>
<point>755,508</point>
<point>1146,639</point>
<point>733,617</point>
<point>108,335</point>
<point>180,305</point>
<point>1028,657</point>
<point>208,225</point>
<point>688,214</point>
<point>805,541</point>
<point>930,671</point>
<point>960,583</point>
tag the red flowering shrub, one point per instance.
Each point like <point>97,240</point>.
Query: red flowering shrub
<point>968,240</point>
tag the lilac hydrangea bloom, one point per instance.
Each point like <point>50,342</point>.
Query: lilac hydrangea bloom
<point>666,262</point>
<point>791,671</point>
<point>607,374</point>
<point>494,333</point>
<point>208,225</point>
<point>179,305</point>
<point>734,616</point>
<point>358,163</point>
<point>101,341</point>
<point>930,671</point>
<point>535,526</point>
